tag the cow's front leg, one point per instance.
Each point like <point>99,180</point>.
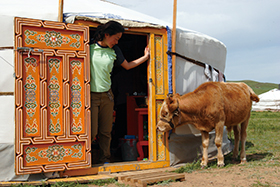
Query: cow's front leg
<point>205,144</point>
<point>219,129</point>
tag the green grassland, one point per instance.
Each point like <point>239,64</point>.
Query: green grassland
<point>263,134</point>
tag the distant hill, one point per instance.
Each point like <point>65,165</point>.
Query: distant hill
<point>259,87</point>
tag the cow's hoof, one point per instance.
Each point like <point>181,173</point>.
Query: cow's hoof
<point>203,167</point>
<point>243,161</point>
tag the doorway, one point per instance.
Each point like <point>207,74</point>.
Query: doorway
<point>130,92</point>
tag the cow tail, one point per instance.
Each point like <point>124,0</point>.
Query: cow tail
<point>253,96</point>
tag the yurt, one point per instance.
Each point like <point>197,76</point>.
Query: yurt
<point>45,96</point>
<point>269,101</point>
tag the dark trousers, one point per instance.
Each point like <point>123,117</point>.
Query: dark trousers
<point>102,105</point>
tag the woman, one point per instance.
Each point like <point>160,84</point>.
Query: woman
<point>104,53</point>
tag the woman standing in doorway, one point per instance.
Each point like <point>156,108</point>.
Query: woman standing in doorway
<point>103,54</point>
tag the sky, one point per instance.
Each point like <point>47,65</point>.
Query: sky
<point>250,29</point>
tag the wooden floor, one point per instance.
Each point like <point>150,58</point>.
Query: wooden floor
<point>132,178</point>
<point>80,179</point>
<point>143,178</point>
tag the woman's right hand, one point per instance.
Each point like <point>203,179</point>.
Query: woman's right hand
<point>147,52</point>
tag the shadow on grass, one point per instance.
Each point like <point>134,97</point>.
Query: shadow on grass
<point>251,157</point>
<point>258,156</point>
<point>247,144</point>
<point>229,161</point>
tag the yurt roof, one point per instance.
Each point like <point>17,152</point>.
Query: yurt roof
<point>190,43</point>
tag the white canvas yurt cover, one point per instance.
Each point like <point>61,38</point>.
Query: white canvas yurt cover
<point>197,47</point>
<point>269,101</point>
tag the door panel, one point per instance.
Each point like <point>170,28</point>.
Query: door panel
<point>160,91</point>
<point>158,88</point>
<point>52,96</point>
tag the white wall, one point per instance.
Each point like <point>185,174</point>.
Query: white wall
<point>7,124</point>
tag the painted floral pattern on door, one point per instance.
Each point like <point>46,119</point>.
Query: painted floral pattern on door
<point>52,108</point>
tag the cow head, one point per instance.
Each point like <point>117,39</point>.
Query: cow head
<point>169,111</point>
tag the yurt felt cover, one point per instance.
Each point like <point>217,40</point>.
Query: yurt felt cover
<point>269,101</point>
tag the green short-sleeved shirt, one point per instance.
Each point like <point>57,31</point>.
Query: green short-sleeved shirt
<point>101,65</point>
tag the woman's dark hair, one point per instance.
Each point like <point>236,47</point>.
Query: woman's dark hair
<point>111,28</point>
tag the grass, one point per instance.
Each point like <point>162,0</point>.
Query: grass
<point>166,182</point>
<point>66,184</point>
<point>102,182</point>
<point>189,167</point>
<point>263,133</point>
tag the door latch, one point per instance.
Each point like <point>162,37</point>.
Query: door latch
<point>29,50</point>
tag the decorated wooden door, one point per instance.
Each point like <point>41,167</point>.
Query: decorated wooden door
<point>158,89</point>
<point>52,96</point>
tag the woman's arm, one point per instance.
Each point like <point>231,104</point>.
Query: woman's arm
<point>137,62</point>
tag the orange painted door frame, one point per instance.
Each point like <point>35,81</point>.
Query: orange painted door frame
<point>157,81</point>
<point>158,89</point>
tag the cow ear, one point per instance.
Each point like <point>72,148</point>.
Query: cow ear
<point>172,97</point>
<point>169,99</point>
<point>169,95</point>
<point>172,103</point>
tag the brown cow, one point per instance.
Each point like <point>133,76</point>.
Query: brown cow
<point>212,105</point>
